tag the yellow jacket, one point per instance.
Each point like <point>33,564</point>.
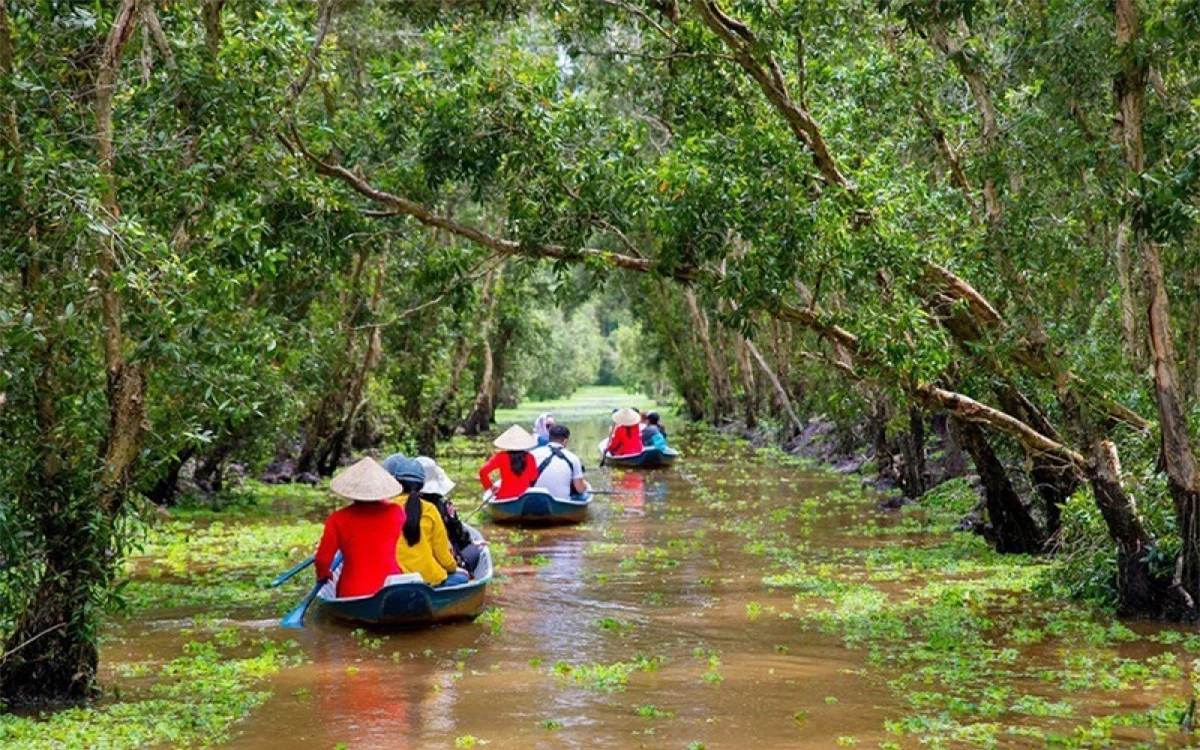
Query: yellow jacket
<point>431,556</point>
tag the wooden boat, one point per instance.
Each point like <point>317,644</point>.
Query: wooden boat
<point>537,507</point>
<point>407,601</point>
<point>649,458</point>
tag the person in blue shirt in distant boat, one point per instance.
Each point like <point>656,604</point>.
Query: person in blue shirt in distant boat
<point>559,470</point>
<point>654,435</point>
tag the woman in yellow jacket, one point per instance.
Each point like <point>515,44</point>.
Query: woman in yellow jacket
<point>424,545</point>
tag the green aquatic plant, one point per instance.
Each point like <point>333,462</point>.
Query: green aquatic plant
<point>650,711</point>
<point>493,618</point>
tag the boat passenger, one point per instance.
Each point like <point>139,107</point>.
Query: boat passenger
<point>625,440</point>
<point>516,465</point>
<point>541,428</point>
<point>654,435</point>
<point>366,531</point>
<point>559,470</point>
<point>652,419</point>
<point>424,546</point>
<point>437,486</point>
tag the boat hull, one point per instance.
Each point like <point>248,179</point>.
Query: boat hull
<point>412,604</point>
<point>539,508</point>
<point>649,458</point>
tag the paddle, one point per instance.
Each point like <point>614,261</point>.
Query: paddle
<point>488,496</point>
<point>282,577</point>
<point>295,618</point>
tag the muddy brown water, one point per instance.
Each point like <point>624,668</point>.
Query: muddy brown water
<point>655,566</point>
<point>676,590</point>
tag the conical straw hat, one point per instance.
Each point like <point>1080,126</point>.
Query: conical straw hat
<point>366,481</point>
<point>515,438</point>
<point>627,417</point>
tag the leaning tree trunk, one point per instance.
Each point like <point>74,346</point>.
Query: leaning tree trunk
<point>1012,525</point>
<point>1140,592</point>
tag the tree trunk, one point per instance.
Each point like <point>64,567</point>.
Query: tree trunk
<point>956,461</point>
<point>166,489</point>
<point>1053,480</point>
<point>749,388</point>
<point>1177,455</point>
<point>355,396</point>
<point>781,394</point>
<point>1140,594</point>
<point>51,654</point>
<point>914,480</point>
<point>718,382</point>
<point>214,32</point>
<point>479,419</point>
<point>1014,529</point>
<point>877,420</point>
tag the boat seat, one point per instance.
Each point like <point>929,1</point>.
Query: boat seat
<point>398,578</point>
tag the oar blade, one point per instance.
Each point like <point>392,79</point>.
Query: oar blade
<point>295,618</point>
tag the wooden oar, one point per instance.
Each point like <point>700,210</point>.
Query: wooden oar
<point>282,577</point>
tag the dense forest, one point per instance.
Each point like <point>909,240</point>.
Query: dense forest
<point>239,233</point>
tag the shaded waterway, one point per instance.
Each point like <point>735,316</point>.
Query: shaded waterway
<point>643,607</point>
<point>651,626</point>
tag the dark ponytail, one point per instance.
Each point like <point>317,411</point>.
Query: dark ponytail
<point>412,520</point>
<point>517,460</point>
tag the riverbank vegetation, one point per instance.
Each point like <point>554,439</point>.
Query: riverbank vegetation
<point>259,237</point>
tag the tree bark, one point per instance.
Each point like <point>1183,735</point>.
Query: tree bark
<point>914,480</point>
<point>1140,593</point>
<point>718,381</point>
<point>1013,527</point>
<point>214,31</point>
<point>785,401</point>
<point>51,654</point>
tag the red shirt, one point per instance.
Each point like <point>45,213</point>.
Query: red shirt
<point>367,534</point>
<point>625,441</point>
<point>512,484</point>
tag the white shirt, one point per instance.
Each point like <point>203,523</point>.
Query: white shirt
<point>558,474</point>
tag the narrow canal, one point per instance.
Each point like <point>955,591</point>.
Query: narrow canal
<point>733,600</point>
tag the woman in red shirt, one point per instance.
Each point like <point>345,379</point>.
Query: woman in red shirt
<point>517,469</point>
<point>366,531</point>
<point>626,438</point>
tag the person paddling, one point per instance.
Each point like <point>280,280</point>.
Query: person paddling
<point>424,546</point>
<point>518,471</point>
<point>366,531</point>
<point>626,439</point>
